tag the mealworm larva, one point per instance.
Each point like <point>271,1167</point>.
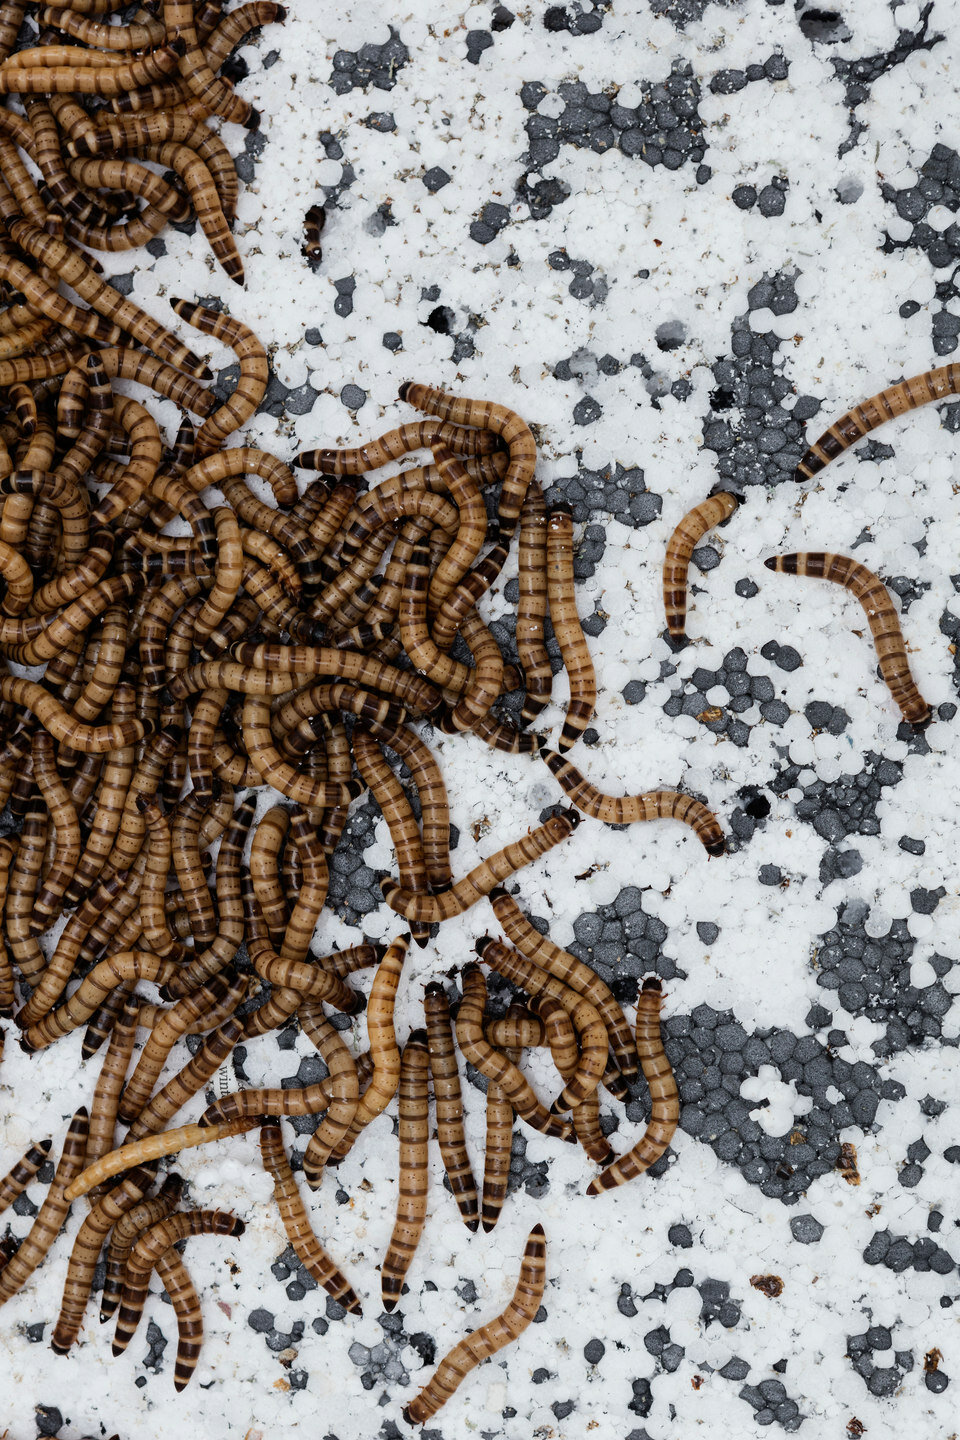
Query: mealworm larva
<point>664,1096</point>
<point>415,435</point>
<point>125,1232</point>
<point>432,793</point>
<point>703,517</point>
<point>343,1084</point>
<point>296,1221</point>
<point>153,1243</point>
<point>592,1032</point>
<point>184,1016</point>
<point>266,846</point>
<point>185,844</point>
<point>152,1147</point>
<point>254,372</point>
<point>119,132</point>
<point>483,877</point>
<point>214,93</point>
<point>448,1100</point>
<point>110,1083</point>
<point>490,1062</point>
<point>53,1212</point>
<point>519,1029</point>
<point>886,405</point>
<point>142,36</point>
<point>570,971</point>
<point>562,1039</point>
<point>497,1149</point>
<point>175,1279</point>
<point>275,771</point>
<point>86,1253</point>
<point>485,415</point>
<point>383,1043</point>
<point>105,80</point>
<point>16,1180</point>
<point>624,810</point>
<point>412,1181</point>
<point>63,818</point>
<point>265,670</point>
<point>398,813</point>
<point>882,617</point>
<point>574,650</point>
<point>493,1336</point>
<point>213,1053</point>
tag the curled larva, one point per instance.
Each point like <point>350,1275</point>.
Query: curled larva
<point>884,625</point>
<point>480,1344</point>
<point>664,1097</point>
<point>694,525</point>
<point>886,405</point>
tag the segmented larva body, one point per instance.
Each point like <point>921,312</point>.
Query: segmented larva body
<point>880,612</point>
<point>296,1221</point>
<point>626,809</point>
<point>562,1039</point>
<point>567,630</point>
<point>106,1097</point>
<point>664,1097</point>
<point>519,1029</point>
<point>485,415</point>
<point>152,1147</point>
<point>124,1236</point>
<point>681,545</point>
<point>570,971</point>
<point>885,405</point>
<point>53,1212</point>
<point>412,1180</point>
<point>448,1101</point>
<point>483,877</point>
<point>482,1343</point>
<point>342,1083</point>
<point>532,604</point>
<point>153,1243</point>
<point>213,1053</point>
<point>382,1038</point>
<point>497,1148</point>
<point>16,1180</point>
<point>492,1064</point>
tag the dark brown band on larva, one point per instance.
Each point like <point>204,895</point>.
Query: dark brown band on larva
<point>627,809</point>
<point>507,1326</point>
<point>885,405</point>
<point>664,1097</point>
<point>680,547</point>
<point>567,628</point>
<point>412,1178</point>
<point>448,1100</point>
<point>882,616</point>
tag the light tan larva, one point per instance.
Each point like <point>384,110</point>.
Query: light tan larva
<point>886,405</point>
<point>412,1180</point>
<point>401,822</point>
<point>153,1147</point>
<point>626,809</point>
<point>491,1337</point>
<point>664,1097</point>
<point>681,545</point>
<point>567,629</point>
<point>882,617</point>
<point>532,605</point>
<point>175,1278</point>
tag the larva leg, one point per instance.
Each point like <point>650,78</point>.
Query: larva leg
<point>175,1279</point>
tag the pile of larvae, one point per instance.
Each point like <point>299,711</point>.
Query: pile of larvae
<point>165,652</point>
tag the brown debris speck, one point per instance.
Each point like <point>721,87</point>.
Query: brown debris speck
<point>847,1163</point>
<point>769,1285</point>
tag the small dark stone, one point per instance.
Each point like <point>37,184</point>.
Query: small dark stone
<point>435,178</point>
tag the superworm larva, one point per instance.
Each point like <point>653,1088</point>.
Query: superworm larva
<point>694,525</point>
<point>412,1180</point>
<point>254,372</point>
<point>343,1084</point>
<point>624,810</point>
<point>16,1180</point>
<point>401,822</point>
<point>567,629</point>
<point>532,604</point>
<point>175,1278</point>
<point>886,405</point>
<point>882,617</point>
<point>497,1149</point>
<point>483,877</point>
<point>475,1048</point>
<point>491,1337</point>
<point>448,1101</point>
<point>296,1221</point>
<point>110,1082</point>
<point>664,1096</point>
<point>52,1213</point>
<point>124,1236</point>
<point>562,1039</point>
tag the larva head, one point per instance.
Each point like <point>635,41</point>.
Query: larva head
<point>652,982</point>
<point>418,1037</point>
<point>483,943</point>
<point>403,392</point>
<point>717,847</point>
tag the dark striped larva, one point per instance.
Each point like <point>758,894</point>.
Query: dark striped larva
<point>626,809</point>
<point>52,1213</point>
<point>448,1100</point>
<point>664,1097</point>
<point>886,405</point>
<point>574,650</point>
<point>491,1337</point>
<point>880,612</point>
<point>17,1179</point>
<point>497,1149</point>
<point>483,877</point>
<point>681,545</point>
<point>412,1181</point>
